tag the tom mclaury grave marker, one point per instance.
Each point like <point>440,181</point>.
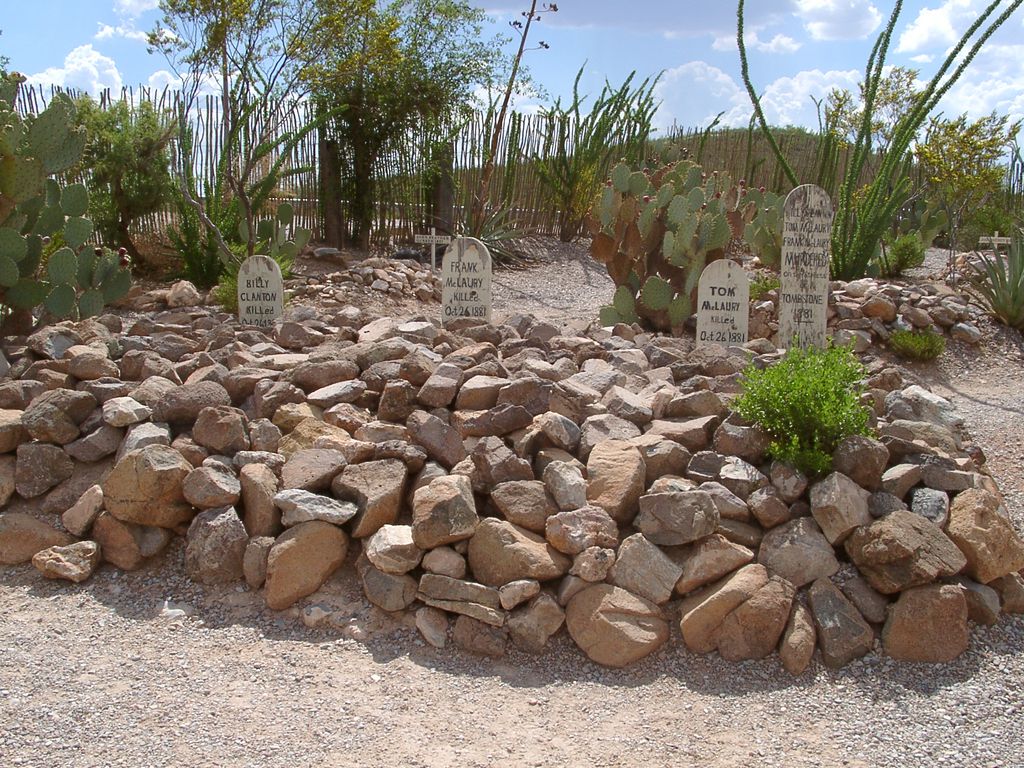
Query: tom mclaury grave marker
<point>803,289</point>
<point>466,280</point>
<point>723,304</point>
<point>260,292</point>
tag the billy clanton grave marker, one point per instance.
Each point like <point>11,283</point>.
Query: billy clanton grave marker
<point>260,292</point>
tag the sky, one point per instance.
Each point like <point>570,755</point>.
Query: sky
<point>798,50</point>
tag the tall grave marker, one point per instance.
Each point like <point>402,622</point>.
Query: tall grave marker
<point>723,304</point>
<point>466,280</point>
<point>260,292</point>
<point>803,289</point>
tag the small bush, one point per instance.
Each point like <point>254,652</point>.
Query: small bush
<point>807,402</point>
<point>761,285</point>
<point>999,285</point>
<point>905,252</point>
<point>919,345</point>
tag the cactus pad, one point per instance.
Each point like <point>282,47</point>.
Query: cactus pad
<point>285,214</point>
<point>77,231</point>
<point>61,300</point>
<point>12,245</point>
<point>656,293</point>
<point>90,303</point>
<point>74,201</point>
<point>8,272</point>
<point>63,267</point>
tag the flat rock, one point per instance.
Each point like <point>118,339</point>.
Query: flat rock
<point>22,536</point>
<point>525,503</point>
<point>301,560</point>
<point>500,552</point>
<point>145,487</point>
<point>798,552</point>
<point>298,506</point>
<point>709,560</point>
<point>843,635</point>
<point>74,562</point>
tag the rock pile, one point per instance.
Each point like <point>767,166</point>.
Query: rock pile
<point>865,312</point>
<point>505,479</point>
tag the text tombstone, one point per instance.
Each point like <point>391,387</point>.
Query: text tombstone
<point>466,281</point>
<point>804,279</point>
<point>723,304</point>
<point>260,292</point>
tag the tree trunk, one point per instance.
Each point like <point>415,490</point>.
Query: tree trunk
<point>442,197</point>
<point>362,185</point>
<point>330,191</point>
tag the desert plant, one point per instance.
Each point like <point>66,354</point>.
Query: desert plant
<point>918,345</point>
<point>655,231</point>
<point>807,403</point>
<point>998,284</point>
<point>77,279</point>
<point>905,252</point>
<point>763,284</point>
<point>764,232</point>
<point>272,237</point>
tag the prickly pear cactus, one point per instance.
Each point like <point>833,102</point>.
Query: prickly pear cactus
<point>272,235</point>
<point>655,231</point>
<point>34,207</point>
<point>764,232</point>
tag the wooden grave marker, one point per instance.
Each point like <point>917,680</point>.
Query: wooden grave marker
<point>433,240</point>
<point>806,246</point>
<point>466,280</point>
<point>723,304</point>
<point>260,292</point>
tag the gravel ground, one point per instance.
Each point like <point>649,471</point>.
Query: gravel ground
<point>108,674</point>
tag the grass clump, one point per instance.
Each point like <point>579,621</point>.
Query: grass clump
<point>763,284</point>
<point>999,285</point>
<point>905,252</point>
<point>919,345</point>
<point>807,403</point>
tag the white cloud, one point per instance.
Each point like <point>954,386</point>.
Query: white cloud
<point>84,68</point>
<point>922,58</point>
<point>838,19</point>
<point>694,93</point>
<point>134,8</point>
<point>938,27</point>
<point>994,81</point>
<point>127,31</point>
<point>778,44</point>
<point>787,100</point>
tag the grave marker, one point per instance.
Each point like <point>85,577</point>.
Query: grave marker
<point>723,304</point>
<point>803,289</point>
<point>466,280</point>
<point>433,240</point>
<point>260,292</point>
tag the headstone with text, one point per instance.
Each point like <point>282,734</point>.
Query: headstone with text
<point>803,284</point>
<point>466,280</point>
<point>723,304</point>
<point>260,292</point>
<point>433,240</point>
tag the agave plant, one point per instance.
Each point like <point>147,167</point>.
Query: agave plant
<point>999,284</point>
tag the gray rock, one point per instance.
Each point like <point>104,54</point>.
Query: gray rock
<point>215,547</point>
<point>298,506</point>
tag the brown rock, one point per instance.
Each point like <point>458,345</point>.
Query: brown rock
<point>222,429</point>
<point>752,630</point>
<point>768,507</point>
<point>843,635</point>
<point>862,459</point>
<point>145,487</point>
<point>377,487</point>
<point>798,552</point>
<point>985,536</point>
<point>22,536</point>
<point>704,612</point>
<point>301,560</point>
<point>616,475</point>
<point>531,627</point>
<point>388,591</point>
<point>40,467</point>
<point>127,545</point>
<point>254,562</point>
<point>183,404</point>
<point>708,560</point>
<point>259,485</point>
<point>798,640</point>
<point>500,552</point>
<point>643,569</point>
<point>614,627</point>
<point>211,486</point>
<point>75,562</point>
<point>927,624</point>
<point>477,637</point>
<point>1011,592</point>
<point>670,519</point>
<point>215,547</point>
<point>525,503</point>
<point>441,442</point>
<point>903,550</point>
<point>839,505</point>
<point>312,469</point>
<point>12,432</point>
<point>496,464</point>
<point>573,531</point>
<point>443,512</point>
<point>79,517</point>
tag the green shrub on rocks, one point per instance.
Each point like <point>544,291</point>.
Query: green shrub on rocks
<point>807,402</point>
<point>919,345</point>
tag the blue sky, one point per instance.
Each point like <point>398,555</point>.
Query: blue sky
<point>797,48</point>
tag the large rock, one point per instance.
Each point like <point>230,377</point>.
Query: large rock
<point>704,612</point>
<point>531,626</point>
<point>298,506</point>
<point>12,431</point>
<point>127,545</point>
<point>22,536</point>
<point>843,635</point>
<point>752,630</point>
<point>301,560</point>
<point>183,404</point>
<point>312,469</point>
<point>500,552</point>
<point>798,552</point>
<point>443,512</point>
<point>862,459</point>
<point>616,474</point>
<point>392,549</point>
<point>614,627</point>
<point>927,624</point>
<point>839,505</point>
<point>670,519</point>
<point>75,562</point>
<point>441,442</point>
<point>377,488</point>
<point>388,591</point>
<point>495,463</point>
<point>708,560</point>
<point>987,539</point>
<point>260,514</point>
<point>798,640</point>
<point>40,467</point>
<point>215,547</point>
<point>573,531</point>
<point>643,569</point>
<point>903,550</point>
<point>145,487</point>
<point>222,429</point>
<point>55,416</point>
<point>212,486</point>
<point>525,503</point>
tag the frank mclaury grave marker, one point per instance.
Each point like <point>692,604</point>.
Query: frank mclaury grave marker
<point>723,304</point>
<point>260,292</point>
<point>803,289</point>
<point>466,280</point>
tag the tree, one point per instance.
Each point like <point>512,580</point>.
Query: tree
<point>127,165</point>
<point>391,66</point>
<point>961,161</point>
<point>894,98</point>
